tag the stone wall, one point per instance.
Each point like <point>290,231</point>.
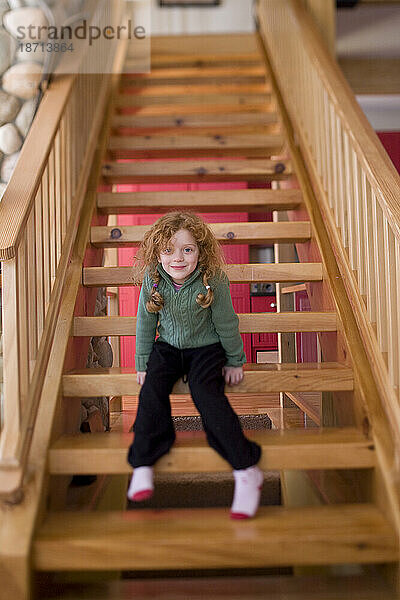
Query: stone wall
<point>22,69</point>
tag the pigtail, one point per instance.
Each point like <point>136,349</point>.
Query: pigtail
<point>205,300</point>
<point>156,301</point>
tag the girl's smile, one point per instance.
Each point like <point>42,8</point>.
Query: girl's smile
<point>179,259</point>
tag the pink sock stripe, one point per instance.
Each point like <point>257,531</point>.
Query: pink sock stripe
<point>142,495</point>
<point>238,515</point>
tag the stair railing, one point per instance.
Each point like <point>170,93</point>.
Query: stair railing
<point>39,214</point>
<point>352,172</point>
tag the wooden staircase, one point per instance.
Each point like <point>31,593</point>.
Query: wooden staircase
<point>216,116</point>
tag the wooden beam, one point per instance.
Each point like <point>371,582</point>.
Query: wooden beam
<point>193,170</point>
<point>248,323</point>
<point>326,449</point>
<point>309,403</point>
<point>372,75</point>
<point>114,203</point>
<point>227,233</point>
<point>202,538</point>
<point>241,273</point>
<point>298,377</point>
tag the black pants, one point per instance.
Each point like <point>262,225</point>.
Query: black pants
<point>154,429</point>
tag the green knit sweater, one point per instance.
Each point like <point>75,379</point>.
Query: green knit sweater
<point>182,323</point>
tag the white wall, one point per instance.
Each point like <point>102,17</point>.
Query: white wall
<point>368,31</point>
<point>231,16</point>
<point>372,32</point>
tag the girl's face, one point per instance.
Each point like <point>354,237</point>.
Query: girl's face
<point>179,259</point>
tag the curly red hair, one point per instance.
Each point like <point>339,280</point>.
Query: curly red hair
<point>155,240</point>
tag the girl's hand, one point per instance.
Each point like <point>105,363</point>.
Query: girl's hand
<point>233,375</point>
<point>140,377</point>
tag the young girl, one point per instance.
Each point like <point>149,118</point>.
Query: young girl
<point>185,298</point>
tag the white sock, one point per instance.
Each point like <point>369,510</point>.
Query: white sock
<point>141,486</point>
<point>246,498</point>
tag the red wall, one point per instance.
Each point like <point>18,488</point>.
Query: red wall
<point>391,143</point>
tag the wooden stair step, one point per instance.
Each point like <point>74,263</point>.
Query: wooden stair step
<point>157,89</point>
<point>117,203</point>
<point>183,71</point>
<point>220,44</point>
<point>307,587</point>
<point>217,73</point>
<point>345,448</point>
<point>239,273</point>
<point>268,129</point>
<point>248,323</point>
<point>243,105</point>
<point>226,169</point>
<point>195,120</point>
<point>288,232</point>
<point>207,538</point>
<point>258,378</point>
<point>139,146</point>
<point>179,101</point>
<point>176,60</point>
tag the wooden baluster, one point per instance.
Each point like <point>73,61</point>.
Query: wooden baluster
<point>68,160</point>
<point>46,226</point>
<point>397,267</point>
<point>73,149</point>
<point>9,438</point>
<point>349,202</point>
<point>22,331</point>
<point>341,183</point>
<point>39,243</point>
<point>317,139</point>
<point>32,291</point>
<point>52,219</point>
<point>322,136</point>
<point>369,248</point>
<point>57,196</point>
<point>305,92</point>
<point>392,303</point>
<point>328,149</point>
<point>63,180</point>
<point>335,170</point>
<point>359,239</point>
<point>380,283</point>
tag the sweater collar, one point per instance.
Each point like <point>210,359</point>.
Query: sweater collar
<point>196,273</point>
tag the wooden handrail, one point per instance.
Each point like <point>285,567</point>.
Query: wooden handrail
<point>361,185</point>
<point>350,189</point>
<point>39,218</point>
<point>383,175</point>
<point>19,196</point>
